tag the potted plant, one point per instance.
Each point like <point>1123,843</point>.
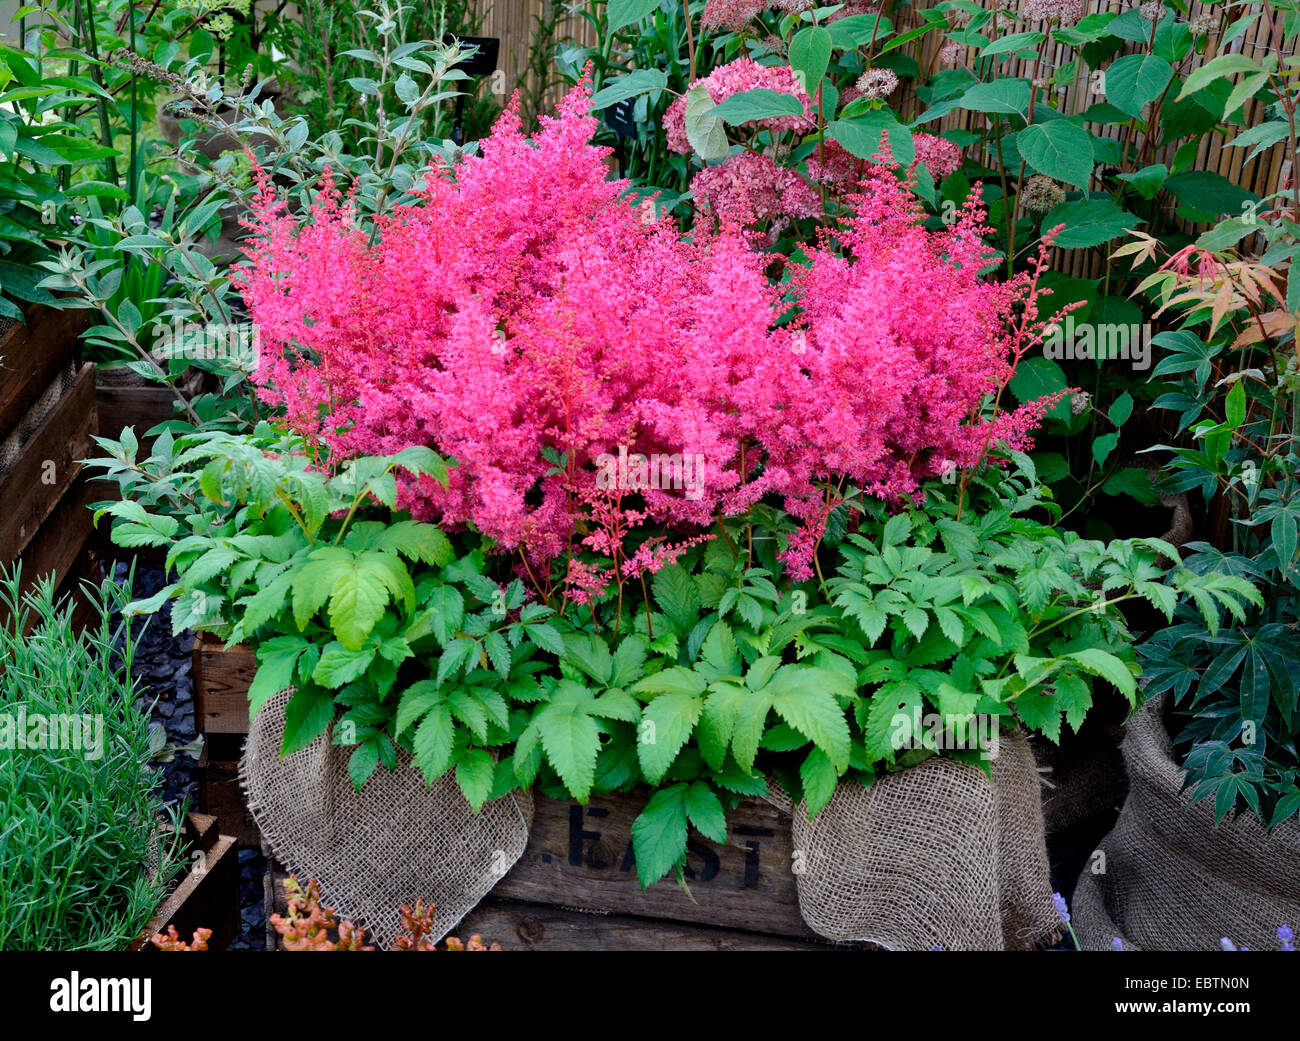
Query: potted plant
<point>1214,755</point>
<point>91,850</point>
<point>672,575</point>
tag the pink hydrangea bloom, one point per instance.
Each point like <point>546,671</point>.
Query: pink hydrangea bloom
<point>937,154</point>
<point>734,78</point>
<point>525,307</point>
<point>753,187</point>
<point>836,167</point>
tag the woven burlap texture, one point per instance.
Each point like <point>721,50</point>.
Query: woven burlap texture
<point>939,855</point>
<point>395,841</point>
<point>1172,880</point>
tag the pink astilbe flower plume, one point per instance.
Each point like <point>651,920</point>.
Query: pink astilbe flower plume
<point>523,311</point>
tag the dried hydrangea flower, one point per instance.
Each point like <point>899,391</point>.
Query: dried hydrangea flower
<point>1153,10</point>
<point>1203,24</point>
<point>951,52</point>
<point>877,83</point>
<point>1040,194</point>
<point>734,15</point>
<point>1079,402</point>
<point>1067,12</point>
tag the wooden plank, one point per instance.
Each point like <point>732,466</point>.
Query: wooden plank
<point>58,547</point>
<point>47,466</point>
<point>519,926</point>
<point>61,539</point>
<point>137,407</point>
<point>208,897</point>
<point>580,857</point>
<point>536,927</point>
<point>31,356</point>
<point>221,795</point>
<point>221,681</point>
<point>140,407</point>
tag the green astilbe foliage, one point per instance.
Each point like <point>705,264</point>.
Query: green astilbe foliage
<point>380,629</point>
<point>704,678</point>
<point>723,679</point>
<point>82,861</point>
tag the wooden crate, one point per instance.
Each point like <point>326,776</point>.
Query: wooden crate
<point>575,887</point>
<point>221,681</point>
<point>140,406</point>
<point>208,896</point>
<point>219,792</point>
<point>31,356</point>
<point>47,467</point>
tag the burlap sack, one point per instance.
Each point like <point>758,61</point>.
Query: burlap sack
<point>1172,881</point>
<point>935,856</point>
<point>390,844</point>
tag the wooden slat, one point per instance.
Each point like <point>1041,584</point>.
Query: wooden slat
<point>519,926</point>
<point>47,466</point>
<point>221,681</point>
<point>221,795</point>
<point>31,356</point>
<point>535,927</point>
<point>140,407</point>
<point>207,897</point>
<point>59,544</point>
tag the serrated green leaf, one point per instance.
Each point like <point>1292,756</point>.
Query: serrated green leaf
<point>666,725</point>
<point>704,811</point>
<point>659,834</point>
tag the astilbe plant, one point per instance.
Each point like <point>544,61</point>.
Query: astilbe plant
<point>526,319</point>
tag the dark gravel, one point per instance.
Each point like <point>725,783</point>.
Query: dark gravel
<point>161,670</point>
